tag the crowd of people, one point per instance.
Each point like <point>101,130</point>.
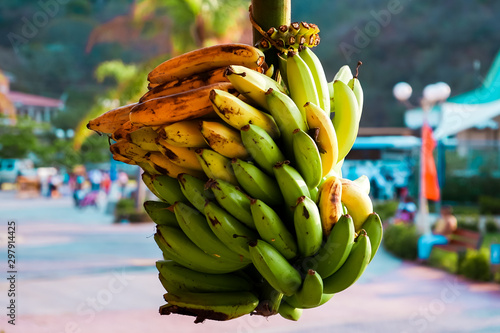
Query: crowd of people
<point>84,186</point>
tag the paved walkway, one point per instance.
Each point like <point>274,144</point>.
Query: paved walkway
<point>80,273</point>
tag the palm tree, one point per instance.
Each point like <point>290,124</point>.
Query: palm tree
<point>190,24</point>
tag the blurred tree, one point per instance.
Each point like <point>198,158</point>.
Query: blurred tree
<point>17,141</point>
<point>129,85</point>
<point>191,24</point>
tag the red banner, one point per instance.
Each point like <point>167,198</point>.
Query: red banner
<point>430,178</point>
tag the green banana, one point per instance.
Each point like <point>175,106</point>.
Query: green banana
<point>334,252</point>
<point>252,84</point>
<point>216,166</point>
<point>307,158</point>
<point>196,228</point>
<point>319,77</point>
<point>374,230</point>
<point>352,268</point>
<point>287,115</point>
<point>301,82</point>
<point>272,229</point>
<point>269,298</point>
<point>177,277</point>
<point>147,179</point>
<point>291,183</point>
<point>215,305</point>
<point>177,246</point>
<point>194,190</point>
<point>345,121</point>
<point>282,63</point>
<point>232,199</point>
<point>160,213</point>
<point>308,228</point>
<point>234,234</point>
<point>355,85</point>
<point>314,194</point>
<point>238,113</point>
<point>344,74</point>
<point>256,182</point>
<point>261,147</point>
<point>311,292</point>
<point>168,188</point>
<point>292,301</point>
<point>280,274</point>
<point>289,312</point>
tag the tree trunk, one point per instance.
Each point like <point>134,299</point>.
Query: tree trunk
<point>269,14</point>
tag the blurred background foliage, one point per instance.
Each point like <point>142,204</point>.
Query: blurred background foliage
<point>95,54</point>
<point>422,42</point>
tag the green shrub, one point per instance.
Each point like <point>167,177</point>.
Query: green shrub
<point>445,260</point>
<point>125,206</point>
<point>401,240</point>
<point>465,210</point>
<point>476,265</point>
<point>496,278</point>
<point>461,189</point>
<point>125,209</point>
<point>489,205</point>
<point>386,209</point>
<point>491,225</point>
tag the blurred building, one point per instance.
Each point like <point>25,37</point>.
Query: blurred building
<point>15,103</point>
<point>387,156</point>
<point>469,123</point>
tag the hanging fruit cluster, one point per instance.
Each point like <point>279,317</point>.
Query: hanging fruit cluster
<point>253,215</point>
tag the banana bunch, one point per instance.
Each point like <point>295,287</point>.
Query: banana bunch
<point>252,213</point>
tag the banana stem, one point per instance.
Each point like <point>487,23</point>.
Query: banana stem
<point>269,14</point>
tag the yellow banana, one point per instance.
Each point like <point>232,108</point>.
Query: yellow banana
<point>330,204</point>
<point>216,166</point>
<point>194,81</point>
<point>121,158</point>
<point>204,59</point>
<point>358,203</point>
<point>252,84</point>
<point>184,133</point>
<point>183,106</point>
<point>122,131</point>
<point>166,167</point>
<point>182,156</point>
<point>237,113</point>
<point>326,137</point>
<point>148,167</point>
<point>364,183</point>
<point>224,140</point>
<point>112,120</point>
<point>144,137</point>
<point>129,150</point>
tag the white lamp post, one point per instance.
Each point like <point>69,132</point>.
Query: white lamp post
<point>431,95</point>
